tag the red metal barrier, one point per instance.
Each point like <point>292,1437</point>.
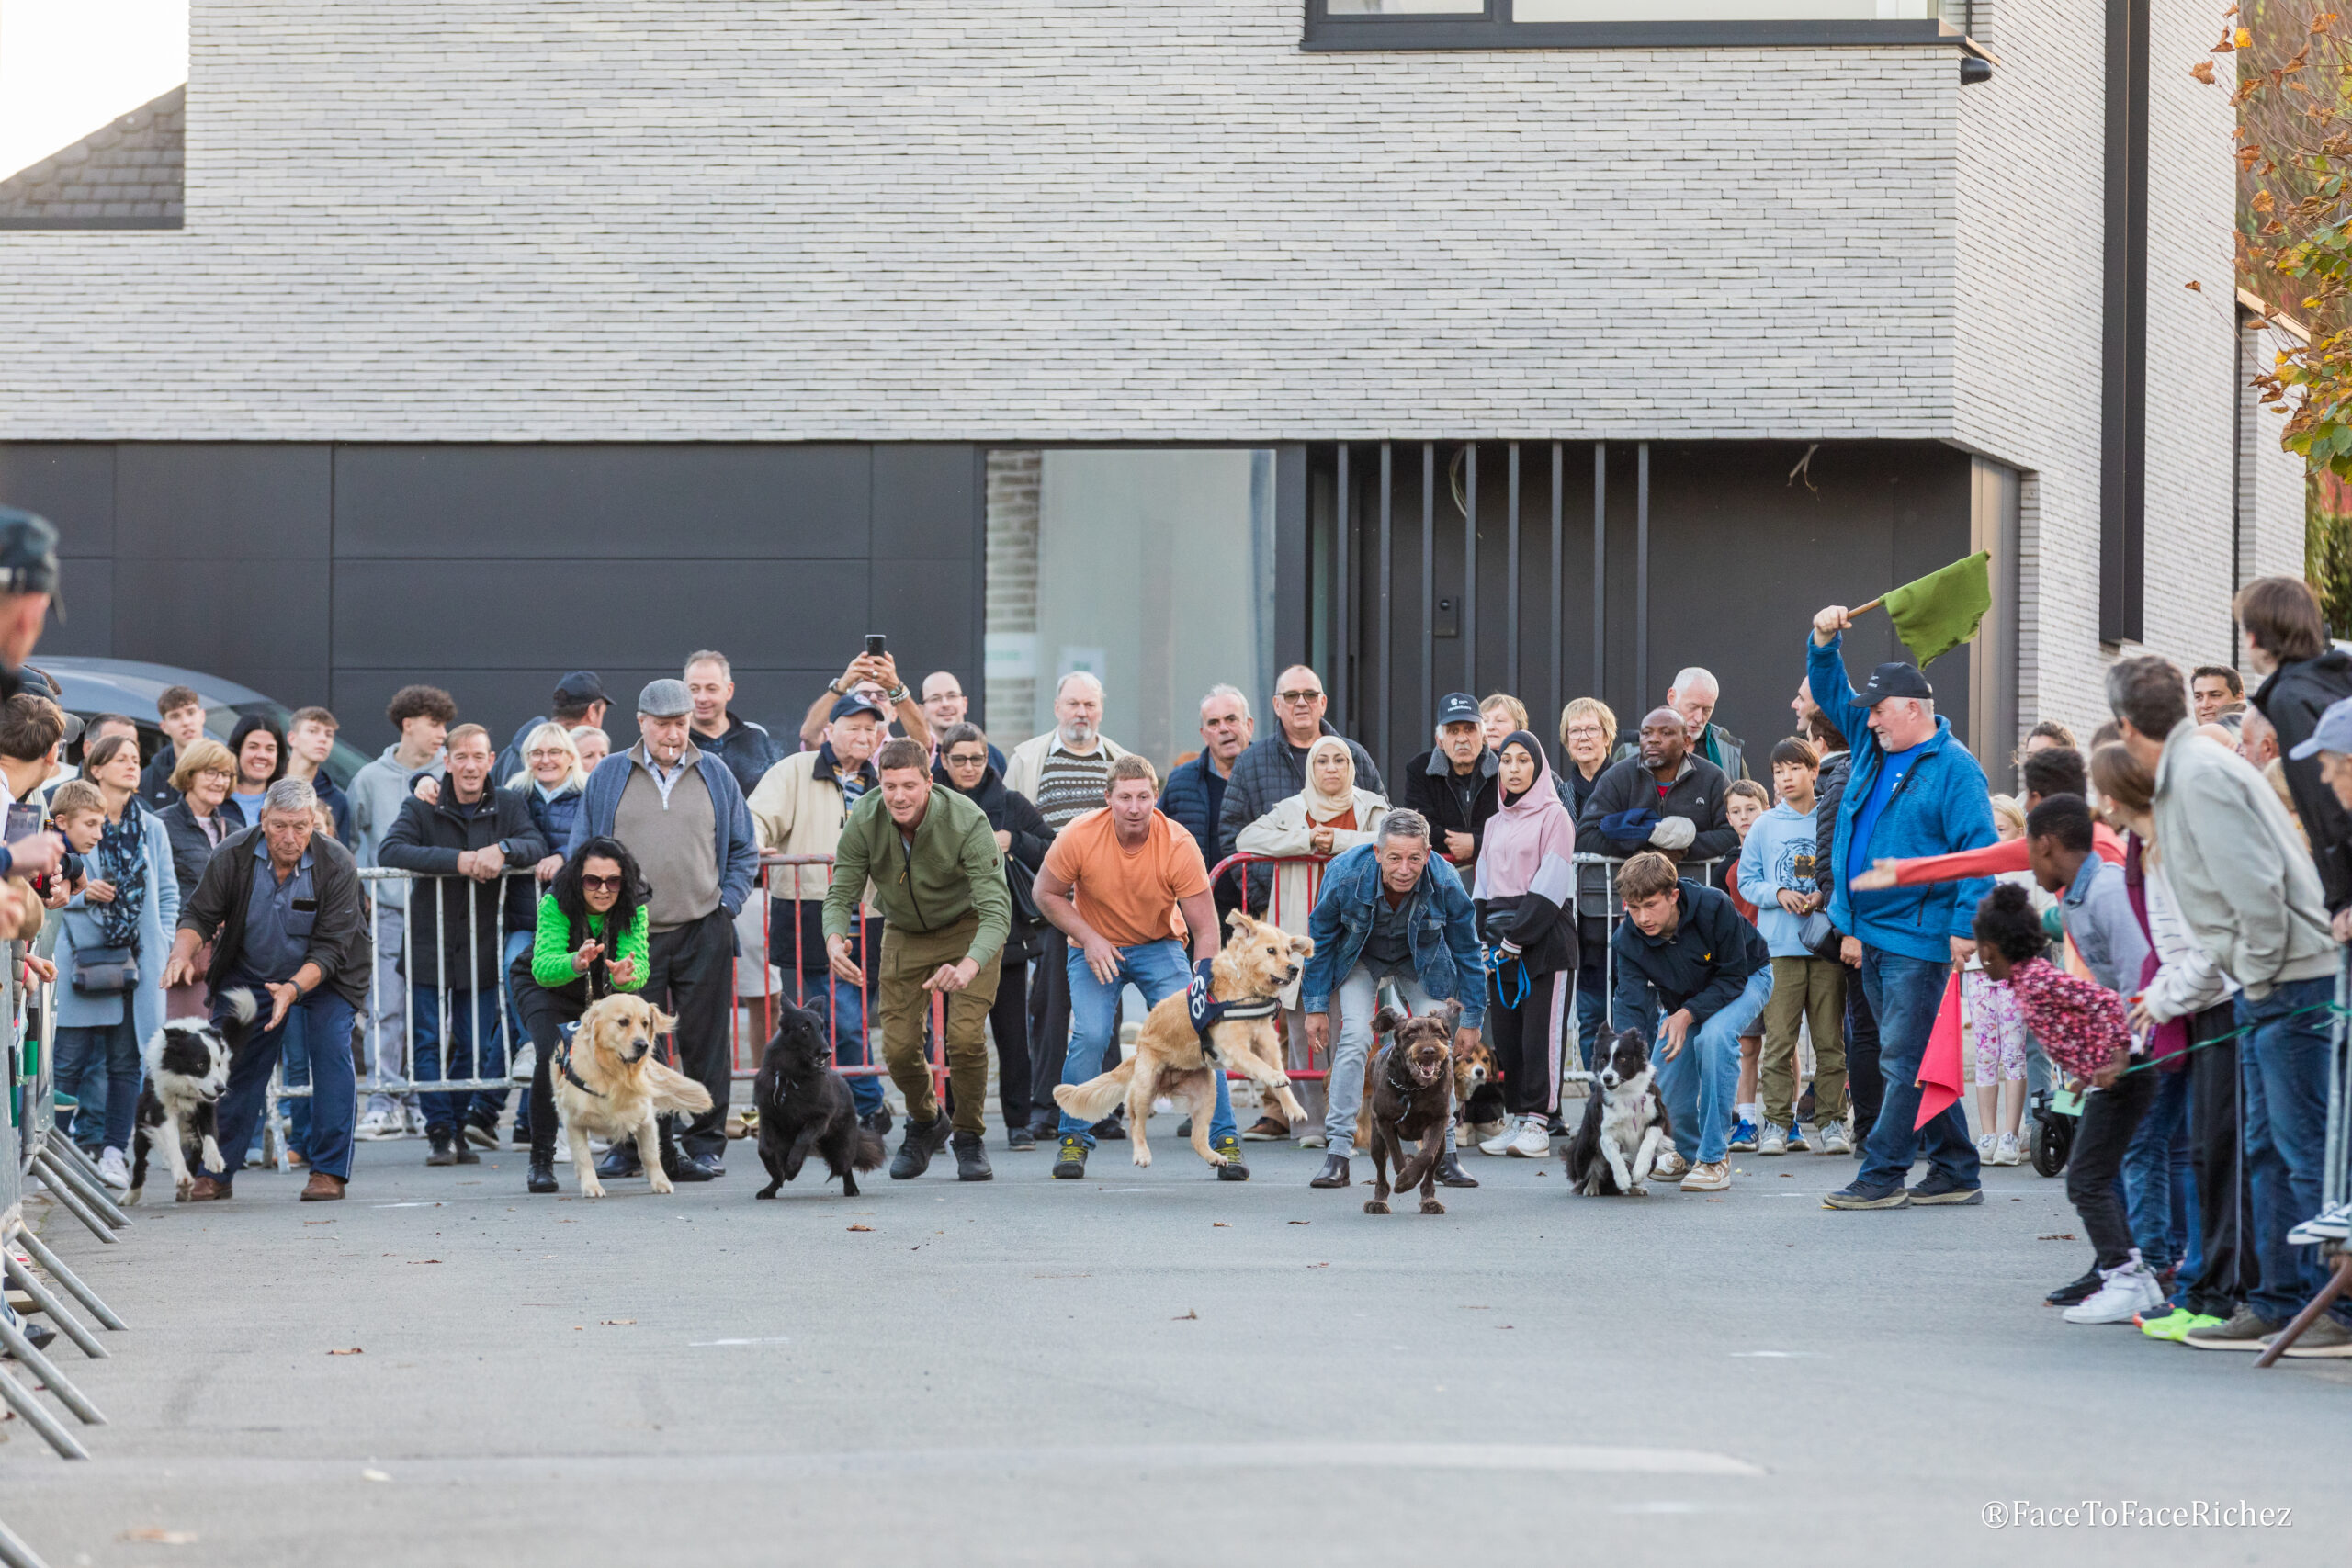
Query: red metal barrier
<point>746,1052</point>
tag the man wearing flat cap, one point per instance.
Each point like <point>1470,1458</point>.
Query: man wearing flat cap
<point>682,815</point>
<point>1914,790</point>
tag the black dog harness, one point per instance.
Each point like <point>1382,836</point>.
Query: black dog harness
<point>563,1061</point>
<point>1207,1012</point>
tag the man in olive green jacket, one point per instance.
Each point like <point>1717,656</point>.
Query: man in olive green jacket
<point>938,879</point>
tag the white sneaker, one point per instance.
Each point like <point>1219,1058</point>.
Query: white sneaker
<point>1535,1139</point>
<point>527,1057</point>
<point>114,1170</point>
<point>1670,1165</point>
<point>380,1125</point>
<point>2005,1151</point>
<point>2328,1225</point>
<point>1830,1138</point>
<point>1500,1144</point>
<point>1708,1175</point>
<point>1774,1141</point>
<point>1314,1140</point>
<point>1985,1142</point>
<point>416,1120</point>
<point>562,1149</point>
<point>2123,1294</point>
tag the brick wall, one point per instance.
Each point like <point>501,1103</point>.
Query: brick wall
<point>896,218</point>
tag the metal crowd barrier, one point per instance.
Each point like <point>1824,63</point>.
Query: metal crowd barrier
<point>491,1058</point>
<point>30,1147</point>
<point>2335,1181</point>
<point>1597,899</point>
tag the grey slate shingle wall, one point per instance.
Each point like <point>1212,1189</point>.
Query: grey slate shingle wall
<point>128,173</point>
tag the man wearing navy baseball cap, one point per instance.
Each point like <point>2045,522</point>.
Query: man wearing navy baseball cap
<point>1913,790</point>
<point>28,581</point>
<point>1453,782</point>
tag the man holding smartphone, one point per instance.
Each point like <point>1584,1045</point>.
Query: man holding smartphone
<point>872,675</point>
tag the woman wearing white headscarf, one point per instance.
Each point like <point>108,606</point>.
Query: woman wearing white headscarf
<point>1329,816</point>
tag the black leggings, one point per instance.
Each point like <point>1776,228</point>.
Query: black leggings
<point>1528,1040</point>
<point>1009,1019</point>
<point>543,1013</point>
<point>1865,1085</point>
<point>2096,1161</point>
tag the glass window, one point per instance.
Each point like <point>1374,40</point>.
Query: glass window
<point>1723,10</point>
<point>1405,8</point>
<point>1153,571</point>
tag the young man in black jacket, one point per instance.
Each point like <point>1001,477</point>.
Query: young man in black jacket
<point>281,906</point>
<point>2286,636</point>
<point>1453,782</point>
<point>1023,838</point>
<point>1662,798</point>
<point>1693,976</point>
<point>470,834</point>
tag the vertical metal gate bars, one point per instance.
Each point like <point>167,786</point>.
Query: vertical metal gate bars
<point>1510,574</point>
<point>1387,621</point>
<point>1467,628</point>
<point>1429,580</point>
<point>1599,567</point>
<point>1343,690</point>
<point>1640,574</point>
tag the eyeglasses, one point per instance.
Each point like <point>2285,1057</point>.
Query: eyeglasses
<point>1301,696</point>
<point>1588,730</point>
<point>215,774</point>
<point>968,758</point>
<point>601,884</point>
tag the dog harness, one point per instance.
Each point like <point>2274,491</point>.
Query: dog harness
<point>563,1060</point>
<point>1207,1012</point>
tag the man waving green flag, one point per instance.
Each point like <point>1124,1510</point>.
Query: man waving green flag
<point>1941,610</point>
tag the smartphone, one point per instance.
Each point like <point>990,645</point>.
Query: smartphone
<point>875,645</point>
<point>23,820</point>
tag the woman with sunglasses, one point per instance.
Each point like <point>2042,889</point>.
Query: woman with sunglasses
<point>590,943</point>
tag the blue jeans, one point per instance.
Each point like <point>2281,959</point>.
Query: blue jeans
<point>2159,1187</point>
<point>2282,1068</point>
<point>97,1065</point>
<point>320,1024</point>
<point>1159,970</point>
<point>473,1043</point>
<point>1904,994</point>
<point>1592,1008</point>
<point>1700,1084</point>
<point>839,1007</point>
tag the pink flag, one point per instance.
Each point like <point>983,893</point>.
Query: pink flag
<point>1940,1066</point>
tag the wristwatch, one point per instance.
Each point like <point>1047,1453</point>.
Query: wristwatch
<point>898,696</point>
<point>834,686</point>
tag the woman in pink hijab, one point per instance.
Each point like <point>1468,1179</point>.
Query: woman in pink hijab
<point>1525,894</point>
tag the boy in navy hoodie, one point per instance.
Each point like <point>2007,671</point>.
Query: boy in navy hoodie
<point>1776,869</point>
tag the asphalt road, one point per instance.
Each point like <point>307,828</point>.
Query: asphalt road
<point>1143,1367</point>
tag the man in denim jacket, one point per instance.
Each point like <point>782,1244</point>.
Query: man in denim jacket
<point>1386,912</point>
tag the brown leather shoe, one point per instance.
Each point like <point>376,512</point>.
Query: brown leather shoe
<point>324,1188</point>
<point>208,1191</point>
<point>1267,1130</point>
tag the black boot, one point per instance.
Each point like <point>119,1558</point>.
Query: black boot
<point>462,1152</point>
<point>542,1177</point>
<point>1232,1169</point>
<point>923,1140</point>
<point>1449,1172</point>
<point>971,1159</point>
<point>1334,1172</point>
<point>443,1152</point>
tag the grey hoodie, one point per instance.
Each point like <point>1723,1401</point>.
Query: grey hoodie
<point>2245,886</point>
<point>376,790</point>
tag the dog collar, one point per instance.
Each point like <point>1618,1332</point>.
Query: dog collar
<point>1207,1012</point>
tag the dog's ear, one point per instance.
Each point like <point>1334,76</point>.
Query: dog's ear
<point>659,1022</point>
<point>1387,1020</point>
<point>1238,920</point>
<point>1302,945</point>
<point>1450,1014</point>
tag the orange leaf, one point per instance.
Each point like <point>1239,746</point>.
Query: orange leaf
<point>2203,72</point>
<point>2196,286</point>
<point>2263,201</point>
<point>2243,37</point>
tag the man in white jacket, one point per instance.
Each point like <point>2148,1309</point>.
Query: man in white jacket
<point>2250,895</point>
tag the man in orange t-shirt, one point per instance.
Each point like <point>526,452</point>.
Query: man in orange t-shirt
<point>1115,883</point>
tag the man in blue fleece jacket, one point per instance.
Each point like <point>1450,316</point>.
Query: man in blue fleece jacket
<point>1914,790</point>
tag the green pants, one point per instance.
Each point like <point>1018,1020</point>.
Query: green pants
<point>909,960</point>
<point>1812,989</point>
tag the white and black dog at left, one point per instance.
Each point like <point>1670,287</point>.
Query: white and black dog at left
<point>1624,1126</point>
<point>188,1071</point>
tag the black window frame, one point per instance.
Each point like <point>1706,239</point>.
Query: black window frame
<point>1494,29</point>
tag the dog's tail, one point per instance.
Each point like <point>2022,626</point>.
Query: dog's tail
<point>870,1151</point>
<point>1096,1098</point>
<point>674,1092</point>
<point>245,1012</point>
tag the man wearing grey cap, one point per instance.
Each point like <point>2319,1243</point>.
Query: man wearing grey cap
<point>682,815</point>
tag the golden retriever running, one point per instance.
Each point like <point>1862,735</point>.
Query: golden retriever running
<point>1257,960</point>
<point>606,1082</point>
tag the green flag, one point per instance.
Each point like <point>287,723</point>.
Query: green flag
<point>1941,610</point>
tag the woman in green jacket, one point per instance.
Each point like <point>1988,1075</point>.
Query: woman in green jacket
<point>588,943</point>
